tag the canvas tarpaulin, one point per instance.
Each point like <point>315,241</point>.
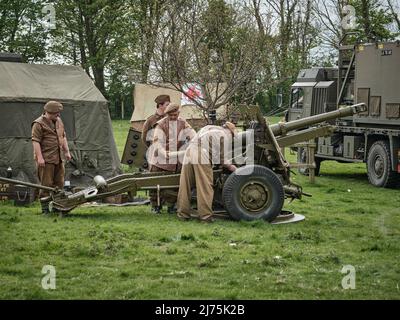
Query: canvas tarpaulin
<point>21,81</point>
<point>24,89</point>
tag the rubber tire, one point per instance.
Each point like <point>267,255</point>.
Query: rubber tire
<point>389,178</point>
<point>234,183</point>
<point>301,159</point>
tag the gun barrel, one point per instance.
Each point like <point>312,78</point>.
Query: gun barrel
<point>283,127</point>
<point>28,184</point>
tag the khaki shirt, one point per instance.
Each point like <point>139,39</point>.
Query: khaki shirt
<point>169,138</point>
<point>211,145</point>
<point>50,136</point>
<point>149,124</point>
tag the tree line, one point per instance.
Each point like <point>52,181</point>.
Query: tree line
<point>237,51</point>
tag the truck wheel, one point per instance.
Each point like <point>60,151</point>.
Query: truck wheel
<point>379,168</point>
<point>253,192</point>
<point>302,158</point>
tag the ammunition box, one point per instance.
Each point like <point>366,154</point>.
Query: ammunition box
<point>21,195</point>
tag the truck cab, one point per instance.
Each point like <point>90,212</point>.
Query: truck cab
<point>313,93</point>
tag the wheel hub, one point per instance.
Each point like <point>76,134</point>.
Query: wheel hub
<point>379,166</point>
<point>254,196</point>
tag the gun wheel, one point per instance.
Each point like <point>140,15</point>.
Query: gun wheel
<point>253,193</point>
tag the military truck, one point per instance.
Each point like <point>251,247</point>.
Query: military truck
<point>367,73</point>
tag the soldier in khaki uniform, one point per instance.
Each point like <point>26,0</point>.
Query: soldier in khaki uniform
<point>49,143</point>
<point>162,102</point>
<point>171,134</point>
<point>206,149</point>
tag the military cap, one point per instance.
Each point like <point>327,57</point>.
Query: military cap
<point>162,99</point>
<point>230,126</point>
<point>53,106</point>
<point>172,107</point>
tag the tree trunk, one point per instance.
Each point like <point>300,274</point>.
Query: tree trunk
<point>257,15</point>
<point>98,64</point>
<point>98,72</point>
<point>82,48</point>
<point>150,16</point>
<point>14,29</point>
<point>304,44</point>
<point>74,54</point>
<point>396,16</point>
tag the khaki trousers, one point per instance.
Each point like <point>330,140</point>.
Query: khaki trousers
<point>166,196</point>
<point>201,176</point>
<point>51,175</point>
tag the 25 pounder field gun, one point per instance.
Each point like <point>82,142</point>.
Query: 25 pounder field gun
<point>254,191</point>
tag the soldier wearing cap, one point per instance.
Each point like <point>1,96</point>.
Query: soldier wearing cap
<point>207,148</point>
<point>162,101</point>
<point>171,134</point>
<point>50,145</point>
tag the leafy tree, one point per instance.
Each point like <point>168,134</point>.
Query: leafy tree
<point>372,19</point>
<point>209,43</point>
<point>93,33</point>
<point>22,29</point>
<point>145,16</point>
<point>289,33</point>
<point>395,13</point>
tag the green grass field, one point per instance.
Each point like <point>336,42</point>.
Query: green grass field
<point>128,253</point>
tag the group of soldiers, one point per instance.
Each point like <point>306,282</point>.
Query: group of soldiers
<point>173,146</point>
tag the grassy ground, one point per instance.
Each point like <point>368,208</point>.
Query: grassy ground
<point>128,253</point>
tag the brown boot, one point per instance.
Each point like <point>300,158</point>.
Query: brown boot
<point>156,209</point>
<point>183,216</point>
<point>207,219</point>
<point>44,203</point>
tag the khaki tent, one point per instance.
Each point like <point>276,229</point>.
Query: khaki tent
<point>24,89</point>
<point>145,106</point>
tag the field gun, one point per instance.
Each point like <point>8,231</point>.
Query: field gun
<point>256,190</point>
